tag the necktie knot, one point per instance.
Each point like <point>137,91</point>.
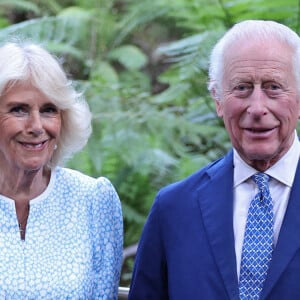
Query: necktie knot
<point>262,181</point>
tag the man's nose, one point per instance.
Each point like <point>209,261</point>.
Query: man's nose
<point>258,102</point>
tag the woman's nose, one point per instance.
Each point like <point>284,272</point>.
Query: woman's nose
<point>35,125</point>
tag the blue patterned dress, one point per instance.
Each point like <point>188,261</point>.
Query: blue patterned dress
<point>73,245</point>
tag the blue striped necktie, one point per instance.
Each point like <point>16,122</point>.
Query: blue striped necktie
<point>258,241</point>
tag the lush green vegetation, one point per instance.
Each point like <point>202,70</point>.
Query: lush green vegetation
<point>143,68</point>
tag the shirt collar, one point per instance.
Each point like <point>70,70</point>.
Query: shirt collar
<point>284,170</point>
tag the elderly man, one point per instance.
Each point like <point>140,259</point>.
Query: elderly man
<point>230,231</point>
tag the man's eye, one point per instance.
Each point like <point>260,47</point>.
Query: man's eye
<point>240,87</point>
<point>272,89</point>
<point>242,90</point>
<point>273,86</point>
<point>243,87</point>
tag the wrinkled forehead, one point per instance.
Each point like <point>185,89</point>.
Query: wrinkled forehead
<point>259,49</point>
<point>261,55</point>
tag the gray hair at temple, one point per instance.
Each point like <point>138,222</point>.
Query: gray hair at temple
<point>245,32</point>
<point>23,62</point>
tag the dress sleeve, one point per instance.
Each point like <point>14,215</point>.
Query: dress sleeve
<point>108,240</point>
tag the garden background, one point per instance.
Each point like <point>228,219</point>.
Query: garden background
<point>142,65</point>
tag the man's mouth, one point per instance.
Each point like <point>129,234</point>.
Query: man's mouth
<point>259,130</point>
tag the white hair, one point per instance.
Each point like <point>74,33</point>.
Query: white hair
<point>30,63</point>
<point>244,32</point>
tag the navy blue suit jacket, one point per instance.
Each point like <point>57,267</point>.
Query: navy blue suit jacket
<point>186,250</point>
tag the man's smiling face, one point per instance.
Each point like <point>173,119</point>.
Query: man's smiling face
<point>260,101</point>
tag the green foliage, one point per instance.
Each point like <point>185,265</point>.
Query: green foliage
<point>129,56</point>
<point>17,5</point>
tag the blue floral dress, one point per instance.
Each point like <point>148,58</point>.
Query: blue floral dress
<point>73,245</point>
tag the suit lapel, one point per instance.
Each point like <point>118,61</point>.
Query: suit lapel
<point>216,205</point>
<point>288,240</point>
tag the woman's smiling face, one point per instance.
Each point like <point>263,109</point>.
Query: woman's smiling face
<point>260,101</point>
<point>30,127</point>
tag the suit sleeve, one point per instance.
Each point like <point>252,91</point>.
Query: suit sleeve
<point>149,280</point>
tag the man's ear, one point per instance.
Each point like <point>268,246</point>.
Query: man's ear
<point>218,103</point>
<point>219,108</point>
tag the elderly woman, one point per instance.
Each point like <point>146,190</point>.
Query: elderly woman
<point>60,230</point>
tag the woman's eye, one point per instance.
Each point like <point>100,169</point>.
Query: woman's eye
<point>50,109</point>
<point>18,110</point>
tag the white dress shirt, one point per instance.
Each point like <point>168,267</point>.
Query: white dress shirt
<point>282,176</point>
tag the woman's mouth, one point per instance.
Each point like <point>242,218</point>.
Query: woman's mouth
<point>33,146</point>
